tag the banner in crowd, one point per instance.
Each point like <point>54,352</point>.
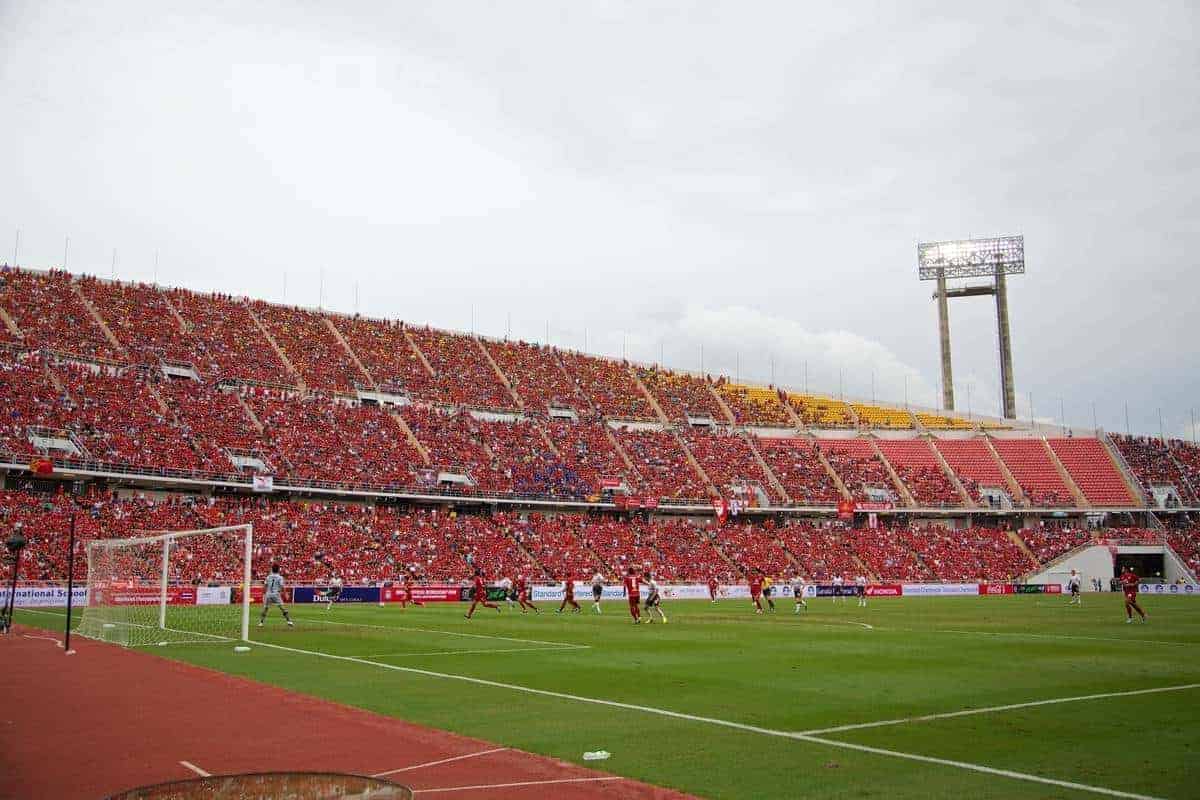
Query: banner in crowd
<point>41,596</point>
<point>1187,589</point>
<point>264,483</point>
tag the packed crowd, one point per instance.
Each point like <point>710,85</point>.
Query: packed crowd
<point>662,464</point>
<point>730,463</point>
<point>755,405</point>
<point>385,352</point>
<point>312,348</point>
<point>797,465</point>
<point>139,316</point>
<point>681,395</point>
<point>51,315</point>
<point>227,341</point>
<point>860,469</point>
<point>608,385</point>
<point>462,373</point>
<point>1156,463</point>
<point>365,544</point>
<point>918,466</point>
<point>536,376</point>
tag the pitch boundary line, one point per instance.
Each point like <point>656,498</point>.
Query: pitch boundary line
<point>443,632</point>
<point>992,709</point>
<point>1050,636</point>
<point>663,712</point>
<point>196,769</point>
<point>477,652</point>
<point>440,761</point>
<point>518,783</point>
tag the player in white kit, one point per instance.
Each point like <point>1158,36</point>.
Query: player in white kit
<point>597,591</point>
<point>1073,583</point>
<point>837,587</point>
<point>798,595</point>
<point>506,585</point>
<point>861,583</point>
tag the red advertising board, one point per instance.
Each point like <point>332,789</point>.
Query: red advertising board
<point>427,593</point>
<point>884,590</point>
<point>845,509</point>
<point>123,594</point>
<point>995,588</point>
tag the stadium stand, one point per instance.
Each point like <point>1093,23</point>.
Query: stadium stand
<point>872,416</point>
<point>312,348</point>
<point>138,315</point>
<point>1092,469</point>
<point>821,553</point>
<point>318,439</point>
<point>214,420</point>
<point>917,465</point>
<point>609,386</point>
<point>229,344</point>
<point>587,449</point>
<point>967,554</point>
<point>821,412</point>
<point>729,462</point>
<point>662,465</point>
<point>558,544</point>
<point>973,463</point>
<point>854,460</point>
<point>51,315</point>
<point>681,395</point>
<point>386,354</point>
<point>796,464</point>
<point>940,422</point>
<point>529,466</point>
<point>462,373</point>
<point>1047,544</point>
<point>1030,465</point>
<point>454,445</point>
<point>755,405</point>
<point>537,377</point>
<point>754,547</point>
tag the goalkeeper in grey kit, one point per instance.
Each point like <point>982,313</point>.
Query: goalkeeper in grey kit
<point>273,596</point>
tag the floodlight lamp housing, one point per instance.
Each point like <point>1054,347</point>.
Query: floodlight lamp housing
<point>971,258</point>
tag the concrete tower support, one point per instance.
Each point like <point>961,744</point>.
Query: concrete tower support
<point>1009,395</point>
<point>944,338</point>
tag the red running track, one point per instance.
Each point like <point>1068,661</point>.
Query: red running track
<point>109,719</point>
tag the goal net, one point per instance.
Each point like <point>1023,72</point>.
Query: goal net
<point>169,588</point>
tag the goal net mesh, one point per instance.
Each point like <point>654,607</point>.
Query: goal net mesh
<point>171,588</point>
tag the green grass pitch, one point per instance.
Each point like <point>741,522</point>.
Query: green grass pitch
<point>780,674</point>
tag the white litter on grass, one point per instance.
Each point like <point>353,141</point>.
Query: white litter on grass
<point>162,644</point>
<point>596,755</point>
<point>109,625</point>
<point>241,648</point>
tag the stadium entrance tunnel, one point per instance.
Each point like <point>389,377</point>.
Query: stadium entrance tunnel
<point>253,786</point>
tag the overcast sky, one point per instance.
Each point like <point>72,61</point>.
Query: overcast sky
<point>746,179</point>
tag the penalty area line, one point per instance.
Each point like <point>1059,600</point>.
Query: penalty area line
<point>740,726</point>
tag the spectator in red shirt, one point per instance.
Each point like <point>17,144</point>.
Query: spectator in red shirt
<point>1129,585</point>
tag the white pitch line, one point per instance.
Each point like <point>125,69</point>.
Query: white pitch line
<point>479,652</point>
<point>444,633</point>
<point>196,769</point>
<point>520,783</point>
<point>440,761</point>
<point>662,712</point>
<point>44,638</point>
<point>992,709</point>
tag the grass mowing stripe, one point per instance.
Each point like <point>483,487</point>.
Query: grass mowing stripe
<point>1020,776</point>
<point>723,723</point>
<point>1053,636</point>
<point>992,709</point>
<point>440,761</point>
<point>435,630</point>
<point>477,652</point>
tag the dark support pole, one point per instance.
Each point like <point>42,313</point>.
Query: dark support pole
<point>12,591</point>
<point>1008,396</point>
<point>944,343</point>
<point>70,585</point>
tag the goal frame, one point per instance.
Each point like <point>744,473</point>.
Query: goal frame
<point>166,538</point>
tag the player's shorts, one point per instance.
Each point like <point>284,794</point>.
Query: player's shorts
<point>1074,590</point>
<point>272,600</point>
<point>1130,595</point>
<point>597,592</point>
<point>767,591</point>
<point>653,600</point>
<point>334,594</point>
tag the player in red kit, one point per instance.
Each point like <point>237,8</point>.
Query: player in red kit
<point>406,595</point>
<point>633,593</point>
<point>568,595</point>
<point>480,595</point>
<point>712,588</point>
<point>756,587</point>
<point>1129,585</point>
<point>522,588</point>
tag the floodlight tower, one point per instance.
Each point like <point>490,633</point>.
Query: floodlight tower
<point>998,258</point>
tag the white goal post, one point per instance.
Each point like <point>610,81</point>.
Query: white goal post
<point>171,587</point>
